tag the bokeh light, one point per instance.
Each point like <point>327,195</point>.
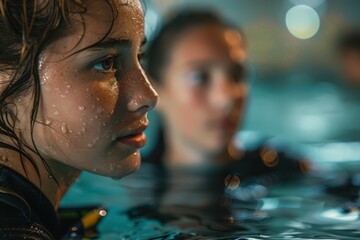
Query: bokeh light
<point>302,21</point>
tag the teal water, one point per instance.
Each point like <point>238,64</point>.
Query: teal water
<point>312,207</point>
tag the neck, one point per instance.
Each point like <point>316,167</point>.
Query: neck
<point>181,154</point>
<point>54,185</point>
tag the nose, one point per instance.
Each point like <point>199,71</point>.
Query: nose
<point>227,93</point>
<point>143,97</point>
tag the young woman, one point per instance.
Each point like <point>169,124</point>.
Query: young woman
<point>73,97</point>
<point>197,64</point>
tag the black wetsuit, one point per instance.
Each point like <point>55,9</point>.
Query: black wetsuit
<point>25,212</point>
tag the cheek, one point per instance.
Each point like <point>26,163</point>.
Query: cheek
<point>186,109</point>
<point>75,112</point>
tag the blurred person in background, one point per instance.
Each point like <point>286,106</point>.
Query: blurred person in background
<point>349,55</point>
<point>197,62</point>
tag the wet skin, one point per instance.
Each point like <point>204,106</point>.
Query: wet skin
<point>94,98</point>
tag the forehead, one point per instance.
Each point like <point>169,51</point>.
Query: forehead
<point>117,19</point>
<point>122,16</point>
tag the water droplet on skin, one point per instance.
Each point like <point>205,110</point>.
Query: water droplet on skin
<point>19,100</point>
<point>43,80</point>
<point>96,117</point>
<point>95,140</point>
<point>64,128</point>
<point>3,158</point>
<point>99,110</point>
<point>133,102</point>
<point>51,177</point>
<point>68,86</point>
<point>62,96</point>
<point>81,108</point>
<point>83,129</point>
<point>95,170</point>
<point>56,113</point>
<point>112,167</point>
<point>47,122</point>
<point>97,99</point>
<point>53,105</point>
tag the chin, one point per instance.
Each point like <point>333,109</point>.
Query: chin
<point>123,167</point>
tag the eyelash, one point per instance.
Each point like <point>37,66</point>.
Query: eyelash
<point>113,64</point>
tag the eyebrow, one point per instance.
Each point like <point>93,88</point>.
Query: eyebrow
<point>112,43</point>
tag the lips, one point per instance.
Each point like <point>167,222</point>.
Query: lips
<point>135,138</point>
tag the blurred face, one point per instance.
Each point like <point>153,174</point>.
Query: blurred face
<point>95,96</point>
<point>203,90</point>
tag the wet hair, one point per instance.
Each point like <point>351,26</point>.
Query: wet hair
<point>160,46</point>
<point>349,41</point>
<point>26,28</point>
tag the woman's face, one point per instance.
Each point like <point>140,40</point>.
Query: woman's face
<point>203,90</point>
<point>94,95</point>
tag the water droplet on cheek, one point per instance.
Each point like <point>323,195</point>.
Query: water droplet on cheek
<point>99,110</point>
<point>81,108</point>
<point>4,158</point>
<point>64,128</point>
<point>47,122</point>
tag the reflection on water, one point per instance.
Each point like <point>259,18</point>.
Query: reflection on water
<point>226,203</point>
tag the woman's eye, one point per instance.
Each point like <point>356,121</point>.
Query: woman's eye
<point>106,65</point>
<point>200,77</point>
